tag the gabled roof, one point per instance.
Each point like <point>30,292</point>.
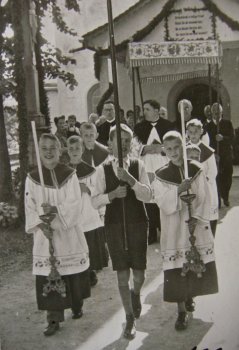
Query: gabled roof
<point>97,38</point>
<point>139,5</point>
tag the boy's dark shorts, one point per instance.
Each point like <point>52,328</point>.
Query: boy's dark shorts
<point>135,256</point>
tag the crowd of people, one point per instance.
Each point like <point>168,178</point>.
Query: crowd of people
<point>101,210</point>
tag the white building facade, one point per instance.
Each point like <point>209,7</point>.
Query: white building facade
<point>137,17</point>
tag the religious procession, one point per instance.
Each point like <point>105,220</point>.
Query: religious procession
<point>119,175</point>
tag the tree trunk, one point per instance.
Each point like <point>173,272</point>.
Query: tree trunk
<point>17,12</point>
<point>6,192</point>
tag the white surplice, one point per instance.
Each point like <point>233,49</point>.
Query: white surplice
<point>91,216</point>
<point>174,229</point>
<point>210,169</point>
<point>70,246</point>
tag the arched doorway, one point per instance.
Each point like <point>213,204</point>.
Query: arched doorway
<point>93,98</point>
<point>198,94</point>
<point>197,91</point>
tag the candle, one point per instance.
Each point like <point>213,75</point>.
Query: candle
<point>184,141</point>
<point>38,161</point>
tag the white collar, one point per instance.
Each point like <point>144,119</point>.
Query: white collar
<point>153,123</point>
<point>215,122</point>
<point>110,121</point>
<point>196,144</point>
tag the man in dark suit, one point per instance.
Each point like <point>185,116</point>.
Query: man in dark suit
<point>108,120</point>
<point>149,134</point>
<point>222,134</point>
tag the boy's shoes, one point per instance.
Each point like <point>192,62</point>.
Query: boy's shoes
<point>93,278</point>
<point>226,202</point>
<point>77,315</point>
<point>190,305</point>
<point>182,321</point>
<point>51,328</point>
<point>136,303</point>
<point>130,329</point>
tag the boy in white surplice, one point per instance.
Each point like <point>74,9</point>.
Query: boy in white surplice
<point>63,198</point>
<point>168,187</point>
<point>208,160</point>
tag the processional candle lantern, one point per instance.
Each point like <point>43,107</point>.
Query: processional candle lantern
<point>194,262</point>
<point>54,281</point>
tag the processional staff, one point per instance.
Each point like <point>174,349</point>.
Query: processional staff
<point>194,262</point>
<point>218,110</point>
<point>54,281</point>
<point>117,109</point>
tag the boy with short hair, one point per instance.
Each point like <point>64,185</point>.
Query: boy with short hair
<point>92,224</point>
<point>168,187</point>
<point>63,198</point>
<point>94,152</point>
<point>131,183</point>
<point>207,158</point>
<point>193,152</point>
<point>187,107</point>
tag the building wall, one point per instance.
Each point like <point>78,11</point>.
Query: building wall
<point>230,79</point>
<point>93,14</point>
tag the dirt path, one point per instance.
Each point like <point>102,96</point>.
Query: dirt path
<point>21,324</point>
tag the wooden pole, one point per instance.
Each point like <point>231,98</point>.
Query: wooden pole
<point>218,101</point>
<point>140,89</point>
<point>184,141</point>
<point>38,161</point>
<point>116,101</point>
<point>210,84</point>
<point>134,98</point>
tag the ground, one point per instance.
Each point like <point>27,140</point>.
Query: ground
<point>214,324</point>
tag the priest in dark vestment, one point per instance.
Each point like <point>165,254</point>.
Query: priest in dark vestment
<point>149,133</point>
<point>225,137</point>
<point>104,129</point>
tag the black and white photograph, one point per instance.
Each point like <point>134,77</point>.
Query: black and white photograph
<point>119,174</point>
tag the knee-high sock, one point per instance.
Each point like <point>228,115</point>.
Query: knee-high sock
<point>138,278</point>
<point>124,290</point>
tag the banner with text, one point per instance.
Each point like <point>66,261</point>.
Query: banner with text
<point>190,24</point>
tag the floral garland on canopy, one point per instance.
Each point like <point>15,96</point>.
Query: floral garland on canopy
<point>142,33</point>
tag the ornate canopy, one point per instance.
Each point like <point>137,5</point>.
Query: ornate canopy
<point>174,60</point>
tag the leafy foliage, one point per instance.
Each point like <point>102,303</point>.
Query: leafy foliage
<point>52,58</point>
<point>50,63</point>
<point>8,214</point>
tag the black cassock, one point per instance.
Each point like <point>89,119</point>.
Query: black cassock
<point>142,131</point>
<point>225,169</point>
<point>104,130</point>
